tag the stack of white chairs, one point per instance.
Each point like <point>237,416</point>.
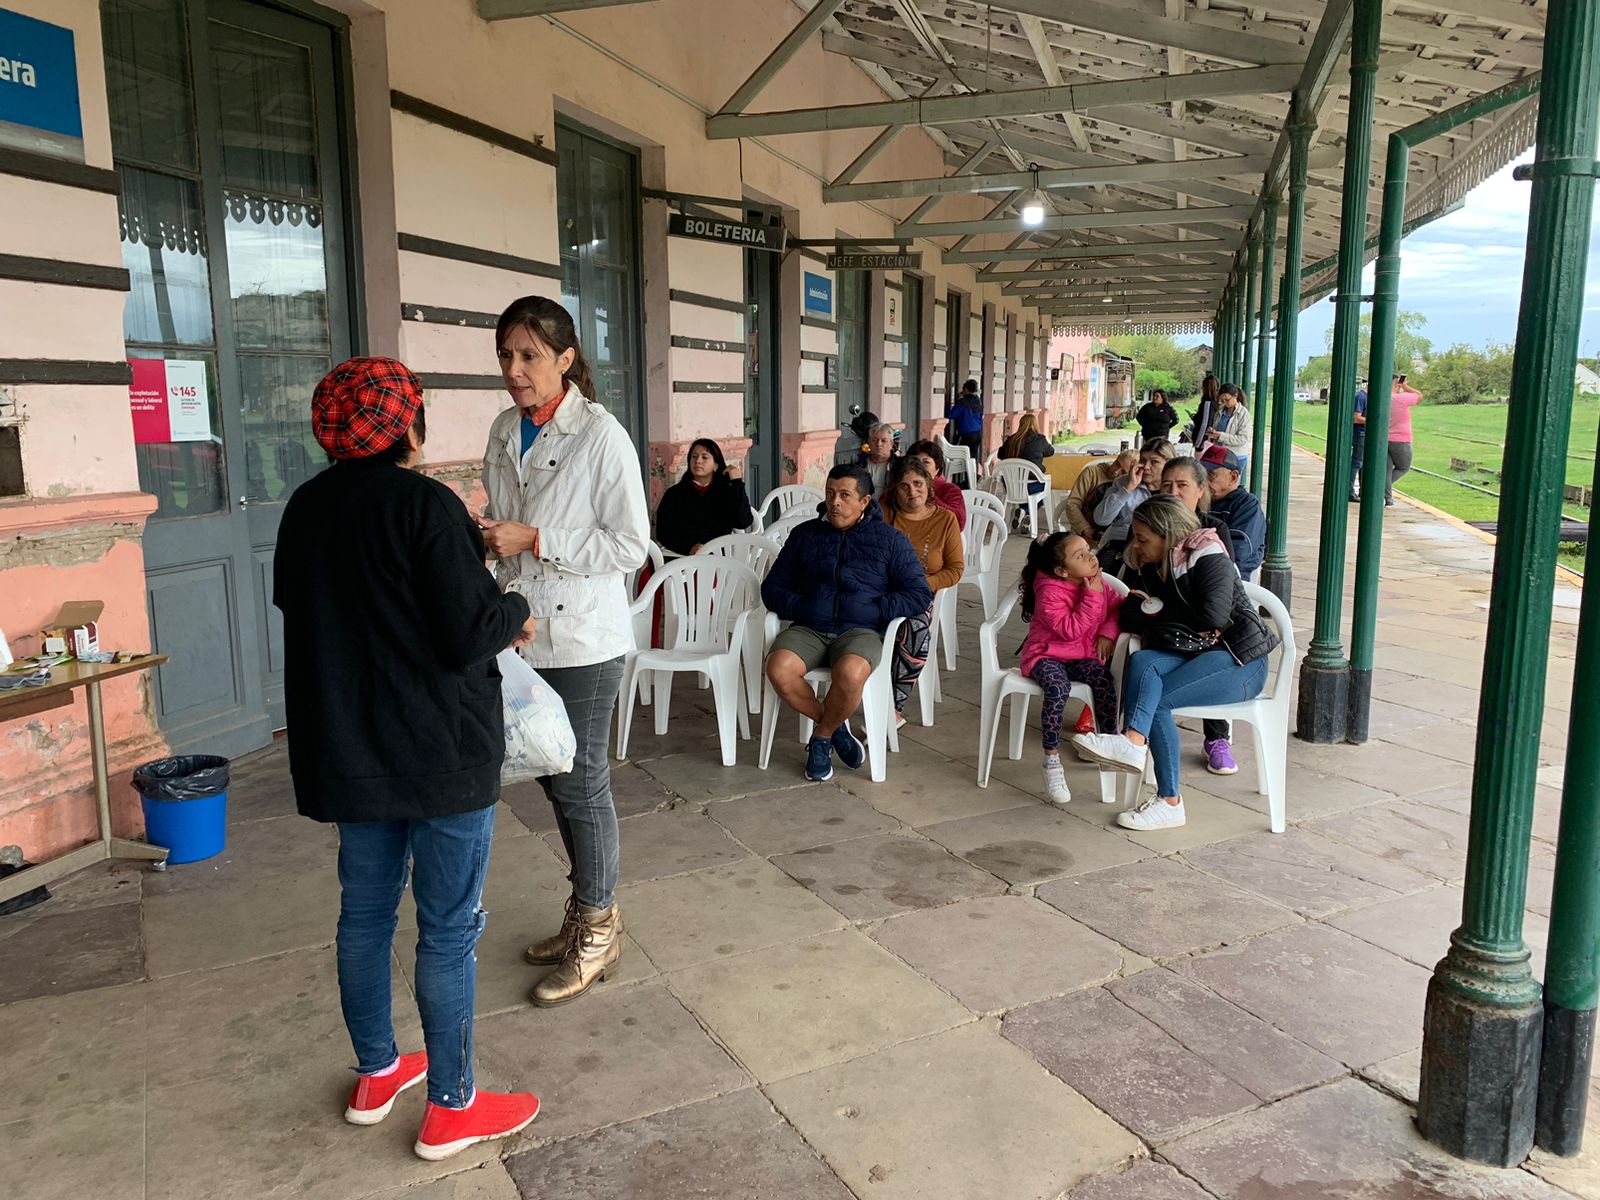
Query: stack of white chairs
<point>978,498</point>
<point>713,597</point>
<point>757,553</point>
<point>957,460</point>
<point>1008,683</point>
<point>778,532</point>
<point>783,500</point>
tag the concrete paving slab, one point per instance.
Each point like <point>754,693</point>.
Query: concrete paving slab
<point>998,952</point>
<point>773,822</point>
<point>733,1147</point>
<point>799,1006</point>
<point>1028,845</point>
<point>690,729</point>
<point>1579,1175</point>
<point>700,778</point>
<point>1418,927</point>
<point>1265,1061</point>
<point>962,1115</point>
<point>1141,1180</point>
<point>1399,1076</point>
<point>721,911</point>
<point>205,928</point>
<point>1430,840</point>
<point>523,873</point>
<point>667,843</point>
<point>486,1182</point>
<point>1209,817</point>
<point>872,877</point>
<point>77,1150</point>
<point>1324,987</point>
<point>1126,1065</point>
<point>1163,907</point>
<point>70,951</point>
<point>1343,1139</point>
<point>923,788</point>
<point>612,1055</point>
<point>632,792</point>
<point>84,1049</point>
<point>255,850</point>
<point>1305,871</point>
<point>116,882</point>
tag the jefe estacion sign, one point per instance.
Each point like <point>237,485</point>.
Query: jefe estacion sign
<point>905,260</point>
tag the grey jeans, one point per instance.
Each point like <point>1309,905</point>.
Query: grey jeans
<point>1399,464</point>
<point>585,814</point>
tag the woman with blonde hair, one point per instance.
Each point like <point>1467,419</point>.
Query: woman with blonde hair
<point>1028,444</point>
<point>1204,643</point>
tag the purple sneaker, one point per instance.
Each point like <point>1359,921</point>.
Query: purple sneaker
<point>1219,758</point>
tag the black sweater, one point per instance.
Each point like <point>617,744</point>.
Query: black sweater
<point>687,518</point>
<point>1157,420</point>
<point>1210,596</point>
<point>390,627</point>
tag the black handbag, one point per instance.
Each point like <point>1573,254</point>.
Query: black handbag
<point>1179,639</point>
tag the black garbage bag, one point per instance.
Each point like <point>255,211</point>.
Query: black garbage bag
<point>27,899</point>
<point>186,777</point>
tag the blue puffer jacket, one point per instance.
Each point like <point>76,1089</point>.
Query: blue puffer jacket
<point>831,580</point>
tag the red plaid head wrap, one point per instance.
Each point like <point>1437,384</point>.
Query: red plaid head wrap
<point>364,405</point>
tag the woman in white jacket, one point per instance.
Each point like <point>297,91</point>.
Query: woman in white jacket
<point>1231,426</point>
<point>567,521</point>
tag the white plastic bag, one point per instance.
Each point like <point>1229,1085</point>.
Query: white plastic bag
<point>539,738</point>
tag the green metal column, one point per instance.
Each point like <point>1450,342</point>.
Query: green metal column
<point>1219,361</point>
<point>1258,450</point>
<point>1276,574</point>
<point>1325,675</point>
<point>1483,1024</point>
<point>1252,261</point>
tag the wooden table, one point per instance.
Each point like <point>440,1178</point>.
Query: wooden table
<point>56,694</point>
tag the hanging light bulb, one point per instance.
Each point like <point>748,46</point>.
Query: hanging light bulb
<point>1033,202</point>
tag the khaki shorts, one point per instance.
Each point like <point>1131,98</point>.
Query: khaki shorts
<point>826,649</point>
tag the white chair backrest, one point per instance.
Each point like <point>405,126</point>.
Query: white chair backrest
<point>788,497</point>
<point>989,634</point>
<point>706,594</point>
<point>1261,598</point>
<point>983,539</point>
<point>977,499</point>
<point>754,550</point>
<point>653,561</point>
<point>1014,475</point>
<point>780,529</point>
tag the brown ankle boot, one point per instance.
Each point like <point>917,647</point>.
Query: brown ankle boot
<point>594,949</point>
<point>553,947</point>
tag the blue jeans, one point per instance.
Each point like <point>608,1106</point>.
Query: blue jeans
<point>449,857</point>
<point>1158,682</point>
<point>585,814</point>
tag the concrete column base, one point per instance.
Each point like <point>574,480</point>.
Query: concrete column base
<point>808,457</point>
<point>1358,708</point>
<point>996,426</point>
<point>1564,1064</point>
<point>1278,578</point>
<point>932,427</point>
<point>1324,703</point>
<point>1480,1067</point>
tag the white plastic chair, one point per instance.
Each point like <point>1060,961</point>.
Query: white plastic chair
<point>956,458</point>
<point>999,684</point>
<point>1267,715</point>
<point>1013,475</point>
<point>714,597</point>
<point>780,529</point>
<point>643,621</point>
<point>982,542</point>
<point>977,498</point>
<point>929,689</point>
<point>877,705</point>
<point>786,497</point>
<point>756,552</point>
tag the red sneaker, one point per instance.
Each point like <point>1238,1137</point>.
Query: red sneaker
<point>374,1095</point>
<point>447,1131</point>
<point>1086,720</point>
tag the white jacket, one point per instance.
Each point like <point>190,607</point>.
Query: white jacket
<point>579,485</point>
<point>1238,435</point>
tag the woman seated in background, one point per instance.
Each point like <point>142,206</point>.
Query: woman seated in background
<point>1204,643</point>
<point>1029,444</point>
<point>705,504</point>
<point>945,494</point>
<point>936,541</point>
<point>1112,507</point>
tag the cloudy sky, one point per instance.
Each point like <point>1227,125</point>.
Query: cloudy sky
<point>1464,273</point>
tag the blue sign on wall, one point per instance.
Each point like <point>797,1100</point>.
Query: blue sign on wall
<point>39,87</point>
<point>819,294</point>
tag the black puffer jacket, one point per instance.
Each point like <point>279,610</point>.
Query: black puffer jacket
<point>1205,593</point>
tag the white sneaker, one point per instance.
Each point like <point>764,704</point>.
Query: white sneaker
<point>1154,813</point>
<point>1055,781</point>
<point>1111,749</point>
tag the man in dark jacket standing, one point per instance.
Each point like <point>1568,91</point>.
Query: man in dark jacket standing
<point>390,625</point>
<point>840,580</point>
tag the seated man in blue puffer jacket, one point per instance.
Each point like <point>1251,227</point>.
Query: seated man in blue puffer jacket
<point>840,579</point>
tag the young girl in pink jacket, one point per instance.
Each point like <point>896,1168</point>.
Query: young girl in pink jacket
<point>1072,629</point>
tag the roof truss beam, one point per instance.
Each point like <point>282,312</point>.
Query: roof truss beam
<point>1235,214</point>
<point>1202,247</point>
<point>1129,21</point>
<point>505,10</point>
<point>1068,177</point>
<point>781,54</point>
<point>942,110</point>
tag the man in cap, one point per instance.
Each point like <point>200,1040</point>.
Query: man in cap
<point>1237,505</point>
<point>391,624</point>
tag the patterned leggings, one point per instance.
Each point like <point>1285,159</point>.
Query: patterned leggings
<point>1057,677</point>
<point>910,655</point>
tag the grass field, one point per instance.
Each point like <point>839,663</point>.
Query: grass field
<point>1442,432</point>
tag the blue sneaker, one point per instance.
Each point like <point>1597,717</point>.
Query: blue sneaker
<point>849,749</point>
<point>819,760</point>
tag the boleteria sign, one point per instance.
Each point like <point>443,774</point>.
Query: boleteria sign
<point>169,401</point>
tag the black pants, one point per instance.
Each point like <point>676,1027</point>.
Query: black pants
<point>1216,731</point>
<point>1358,453</point>
<point>973,442</point>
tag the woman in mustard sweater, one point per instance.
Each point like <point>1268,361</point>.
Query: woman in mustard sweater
<point>936,541</point>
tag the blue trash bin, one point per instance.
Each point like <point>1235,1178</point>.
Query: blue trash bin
<point>185,803</point>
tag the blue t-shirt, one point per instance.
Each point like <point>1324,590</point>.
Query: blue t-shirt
<point>529,432</point>
<point>1361,401</point>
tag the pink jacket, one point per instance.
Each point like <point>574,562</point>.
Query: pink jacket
<point>1067,617</point>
